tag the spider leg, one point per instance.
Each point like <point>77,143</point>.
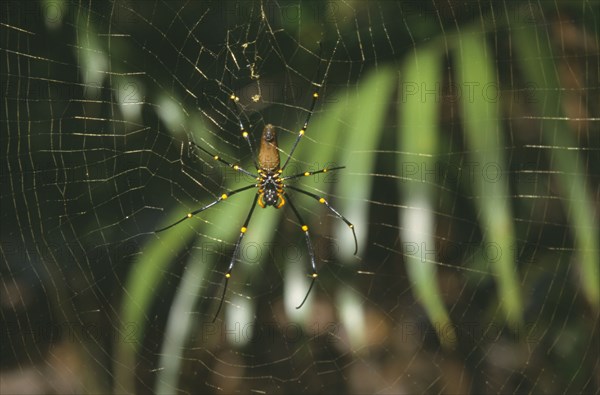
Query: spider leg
<point>235,251</point>
<point>245,134</point>
<point>220,199</point>
<point>311,252</point>
<point>315,96</point>
<point>323,201</point>
<point>218,158</point>
<point>310,173</point>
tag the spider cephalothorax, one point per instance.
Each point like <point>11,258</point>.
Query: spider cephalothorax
<point>270,189</point>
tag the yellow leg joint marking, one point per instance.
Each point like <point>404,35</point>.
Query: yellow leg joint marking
<point>302,132</point>
<point>190,215</point>
<point>227,275</point>
<point>224,196</point>
<point>244,134</point>
<point>236,167</point>
<point>306,174</point>
<point>260,201</point>
<point>315,275</point>
<point>216,157</point>
<point>244,229</point>
<point>315,95</point>
<point>304,228</point>
<point>351,226</point>
<point>321,200</point>
<point>325,170</point>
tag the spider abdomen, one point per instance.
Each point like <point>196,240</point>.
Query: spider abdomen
<point>268,153</point>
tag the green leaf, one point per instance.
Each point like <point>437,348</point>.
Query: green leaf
<point>418,131</point>
<point>477,77</point>
<point>144,279</point>
<point>534,51</point>
<point>365,116</point>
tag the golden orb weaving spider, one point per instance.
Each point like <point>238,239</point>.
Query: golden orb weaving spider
<point>271,189</point>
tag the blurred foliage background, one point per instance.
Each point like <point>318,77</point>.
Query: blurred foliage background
<point>469,132</point>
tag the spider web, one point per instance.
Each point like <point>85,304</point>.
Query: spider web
<point>101,102</point>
